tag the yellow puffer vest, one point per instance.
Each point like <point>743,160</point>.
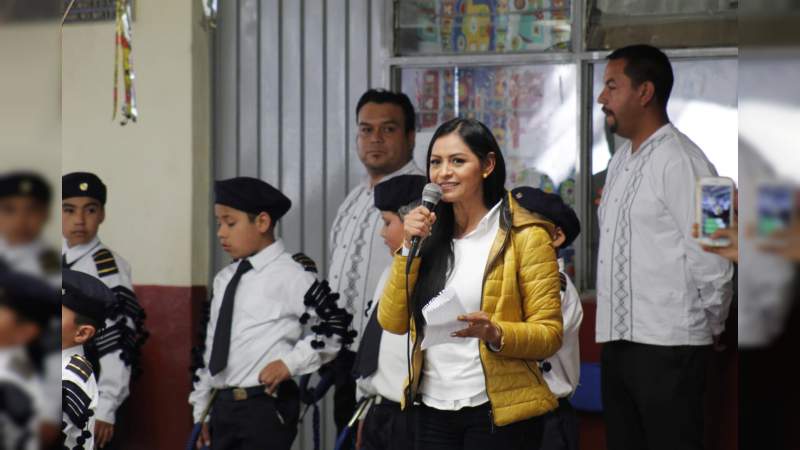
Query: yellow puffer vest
<point>521,293</point>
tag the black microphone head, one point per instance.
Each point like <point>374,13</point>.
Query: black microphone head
<point>431,194</point>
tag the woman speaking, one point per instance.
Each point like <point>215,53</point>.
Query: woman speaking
<point>484,389</point>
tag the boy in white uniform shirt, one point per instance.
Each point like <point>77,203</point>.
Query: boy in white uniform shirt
<point>255,342</point>
<point>84,302</point>
<point>27,307</point>
<point>115,349</point>
<point>562,370</point>
<point>381,365</point>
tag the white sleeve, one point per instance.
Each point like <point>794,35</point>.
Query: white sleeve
<point>200,396</point>
<point>711,274</point>
<point>572,311</point>
<point>304,359</point>
<point>115,373</point>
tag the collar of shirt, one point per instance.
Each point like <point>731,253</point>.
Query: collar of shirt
<point>409,168</point>
<point>14,251</point>
<point>485,225</point>
<point>79,251</point>
<point>68,353</point>
<point>267,255</point>
<point>666,128</point>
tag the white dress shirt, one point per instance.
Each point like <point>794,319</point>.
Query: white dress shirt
<point>71,432</point>
<point>115,375</point>
<point>358,254</point>
<point>453,375</point>
<point>565,365</point>
<point>17,374</point>
<point>27,258</point>
<point>655,285</point>
<point>266,325</point>
<point>392,371</point>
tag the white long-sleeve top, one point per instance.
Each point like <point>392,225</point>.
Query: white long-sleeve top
<point>655,285</point>
<point>358,254</point>
<point>387,381</point>
<point>115,374</point>
<point>266,325</point>
<point>453,375</point>
<point>565,365</point>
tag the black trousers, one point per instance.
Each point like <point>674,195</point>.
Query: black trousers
<point>653,396</point>
<point>473,429</point>
<point>261,422</point>
<point>560,428</point>
<point>387,427</point>
<point>344,394</point>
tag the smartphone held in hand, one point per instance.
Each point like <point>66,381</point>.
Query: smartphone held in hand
<point>715,209</point>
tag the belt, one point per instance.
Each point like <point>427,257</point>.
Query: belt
<point>383,401</point>
<point>240,394</point>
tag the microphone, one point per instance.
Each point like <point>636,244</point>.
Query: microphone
<point>430,197</point>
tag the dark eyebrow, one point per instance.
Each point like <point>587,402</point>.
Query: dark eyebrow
<point>385,122</point>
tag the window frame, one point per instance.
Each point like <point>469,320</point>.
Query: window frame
<point>584,61</point>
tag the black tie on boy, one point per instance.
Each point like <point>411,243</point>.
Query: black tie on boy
<point>222,334</point>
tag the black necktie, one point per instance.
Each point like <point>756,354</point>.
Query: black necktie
<point>367,359</point>
<point>222,334</point>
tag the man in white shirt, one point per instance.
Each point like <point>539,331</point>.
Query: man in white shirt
<point>386,136</point>
<point>661,300</point>
<point>255,341</point>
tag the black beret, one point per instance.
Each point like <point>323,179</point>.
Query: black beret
<point>83,184</point>
<point>27,184</point>
<point>399,191</point>
<point>86,295</point>
<point>552,207</point>
<point>31,297</point>
<point>251,195</point>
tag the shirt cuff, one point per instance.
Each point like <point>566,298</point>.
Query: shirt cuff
<point>105,411</point>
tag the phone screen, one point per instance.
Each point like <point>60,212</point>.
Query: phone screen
<point>774,209</point>
<point>717,202</point>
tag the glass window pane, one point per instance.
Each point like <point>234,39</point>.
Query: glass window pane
<point>532,111</point>
<point>429,27</point>
<point>703,105</point>
<point>663,23</point>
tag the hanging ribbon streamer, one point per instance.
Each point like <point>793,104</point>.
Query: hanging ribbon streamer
<point>122,57</point>
<point>210,13</point>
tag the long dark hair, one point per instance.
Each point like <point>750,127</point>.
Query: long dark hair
<point>436,253</point>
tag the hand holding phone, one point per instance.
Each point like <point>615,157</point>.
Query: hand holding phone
<point>715,210</point>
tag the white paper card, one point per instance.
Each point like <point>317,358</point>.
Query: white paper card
<point>441,319</point>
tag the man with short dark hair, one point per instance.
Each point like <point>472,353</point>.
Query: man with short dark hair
<point>661,301</point>
<point>386,137</point>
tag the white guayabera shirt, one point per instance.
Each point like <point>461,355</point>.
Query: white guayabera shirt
<point>655,285</point>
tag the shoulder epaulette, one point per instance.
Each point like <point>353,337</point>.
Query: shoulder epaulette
<point>75,403</point>
<point>563,278</point>
<point>308,264</point>
<point>50,261</point>
<point>104,260</point>
<point>80,366</point>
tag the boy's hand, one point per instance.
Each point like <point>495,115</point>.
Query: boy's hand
<point>204,440</point>
<point>103,433</point>
<point>272,375</point>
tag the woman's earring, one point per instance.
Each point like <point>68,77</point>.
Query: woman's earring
<point>485,175</point>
